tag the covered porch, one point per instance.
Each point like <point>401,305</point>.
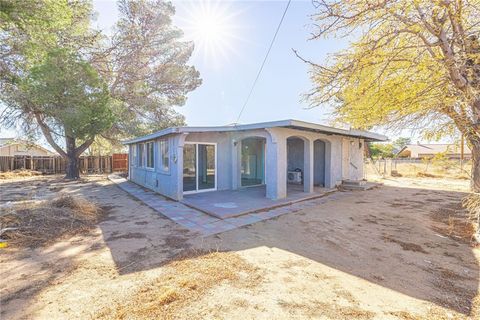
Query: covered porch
<point>232,203</point>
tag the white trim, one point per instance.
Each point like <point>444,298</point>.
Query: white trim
<point>196,167</point>
<point>293,124</point>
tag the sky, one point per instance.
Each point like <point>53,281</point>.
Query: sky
<point>229,63</point>
<point>231,39</point>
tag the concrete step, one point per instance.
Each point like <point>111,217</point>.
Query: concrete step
<point>354,182</point>
<point>359,187</point>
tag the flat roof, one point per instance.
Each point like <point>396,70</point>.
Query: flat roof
<point>292,124</point>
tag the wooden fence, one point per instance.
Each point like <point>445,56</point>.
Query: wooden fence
<point>51,165</point>
<point>120,162</point>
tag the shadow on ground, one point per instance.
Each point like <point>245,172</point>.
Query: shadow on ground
<point>389,236</point>
<point>393,237</point>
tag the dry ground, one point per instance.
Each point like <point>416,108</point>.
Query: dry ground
<point>387,253</point>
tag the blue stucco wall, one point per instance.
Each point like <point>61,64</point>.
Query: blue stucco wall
<point>321,162</point>
<point>161,182</point>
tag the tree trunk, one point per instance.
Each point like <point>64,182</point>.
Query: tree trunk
<point>72,169</point>
<point>475,182</point>
<point>475,185</point>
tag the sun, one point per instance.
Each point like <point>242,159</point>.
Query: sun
<point>212,26</point>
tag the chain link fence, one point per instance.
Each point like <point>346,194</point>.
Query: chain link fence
<point>451,168</point>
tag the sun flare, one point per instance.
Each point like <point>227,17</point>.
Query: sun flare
<point>212,26</point>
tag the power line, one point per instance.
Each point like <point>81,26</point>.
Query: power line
<point>263,63</point>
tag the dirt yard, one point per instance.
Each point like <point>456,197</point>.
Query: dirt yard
<point>393,252</point>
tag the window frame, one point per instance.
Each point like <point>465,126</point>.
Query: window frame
<point>141,155</point>
<point>134,155</point>
<point>150,155</point>
<point>164,154</point>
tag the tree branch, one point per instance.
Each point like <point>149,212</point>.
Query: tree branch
<point>83,146</point>
<point>46,132</point>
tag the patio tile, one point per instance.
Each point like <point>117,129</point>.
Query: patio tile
<point>223,202</point>
<point>218,226</point>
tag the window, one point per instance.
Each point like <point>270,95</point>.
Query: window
<point>150,155</point>
<point>133,160</point>
<point>140,154</point>
<point>164,156</point>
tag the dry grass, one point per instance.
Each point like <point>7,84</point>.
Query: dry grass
<point>423,170</point>
<point>185,280</point>
<point>19,173</point>
<point>472,204</point>
<point>453,221</point>
<point>426,175</point>
<point>317,309</point>
<point>436,313</point>
<point>33,224</point>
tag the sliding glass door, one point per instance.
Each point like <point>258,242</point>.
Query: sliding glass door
<point>189,167</point>
<point>199,167</point>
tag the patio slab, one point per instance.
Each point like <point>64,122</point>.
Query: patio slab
<point>227,204</point>
<point>205,224</point>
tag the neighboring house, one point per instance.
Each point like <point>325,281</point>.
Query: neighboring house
<point>15,147</point>
<point>420,151</point>
<point>183,160</point>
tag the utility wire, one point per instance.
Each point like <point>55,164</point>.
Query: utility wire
<point>263,63</point>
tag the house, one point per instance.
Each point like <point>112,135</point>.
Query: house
<point>15,147</point>
<point>420,151</point>
<point>277,155</point>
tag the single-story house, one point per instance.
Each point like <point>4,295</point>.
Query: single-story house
<point>421,151</point>
<point>183,160</point>
<point>16,147</point>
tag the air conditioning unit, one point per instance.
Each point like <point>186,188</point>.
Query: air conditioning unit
<point>294,177</point>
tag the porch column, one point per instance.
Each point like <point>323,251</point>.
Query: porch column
<point>329,170</point>
<point>236,162</point>
<point>177,168</point>
<point>308,166</point>
<point>276,168</point>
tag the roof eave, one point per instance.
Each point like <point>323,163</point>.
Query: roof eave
<point>300,125</point>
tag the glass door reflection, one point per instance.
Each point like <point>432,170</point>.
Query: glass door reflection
<point>189,167</point>
<point>199,167</point>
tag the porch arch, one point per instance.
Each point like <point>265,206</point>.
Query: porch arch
<point>299,158</point>
<point>236,139</point>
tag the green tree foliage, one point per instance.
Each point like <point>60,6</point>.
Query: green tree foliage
<point>67,95</point>
<point>60,77</point>
<point>401,142</point>
<point>145,64</point>
<point>415,64</point>
<point>381,150</point>
<point>36,37</point>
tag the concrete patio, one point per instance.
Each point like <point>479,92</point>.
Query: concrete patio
<point>198,221</point>
<point>234,203</point>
